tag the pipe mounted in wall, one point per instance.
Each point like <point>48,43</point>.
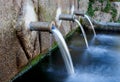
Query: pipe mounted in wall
<point>78,13</point>
<point>67,17</point>
<point>41,26</point>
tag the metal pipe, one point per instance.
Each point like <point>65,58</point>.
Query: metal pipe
<point>41,26</point>
<point>78,13</point>
<point>67,17</point>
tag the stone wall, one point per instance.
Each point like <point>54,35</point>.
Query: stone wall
<point>48,11</point>
<point>12,55</point>
<point>18,45</point>
<point>104,10</point>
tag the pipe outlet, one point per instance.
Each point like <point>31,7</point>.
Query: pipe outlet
<point>41,26</point>
<point>67,17</point>
<point>78,13</point>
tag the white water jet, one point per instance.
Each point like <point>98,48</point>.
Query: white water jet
<point>64,50</point>
<point>83,32</point>
<point>91,24</point>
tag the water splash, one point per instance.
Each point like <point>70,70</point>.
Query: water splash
<point>64,50</point>
<point>83,32</point>
<point>91,24</point>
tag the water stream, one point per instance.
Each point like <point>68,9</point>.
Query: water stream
<point>64,50</point>
<point>91,24</point>
<point>83,32</point>
<point>99,63</point>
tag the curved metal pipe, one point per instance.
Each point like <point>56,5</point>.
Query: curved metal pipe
<point>78,13</point>
<point>41,26</point>
<point>67,17</point>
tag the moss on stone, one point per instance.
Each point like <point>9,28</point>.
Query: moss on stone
<point>29,66</point>
<point>107,7</point>
<point>110,9</point>
<point>101,1</point>
<point>90,10</point>
<point>118,21</point>
<point>69,35</point>
<point>114,13</point>
<point>92,1</point>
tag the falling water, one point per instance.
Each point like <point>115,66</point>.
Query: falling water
<point>50,44</point>
<point>82,32</point>
<point>49,54</point>
<point>64,50</point>
<point>91,24</point>
<point>102,64</point>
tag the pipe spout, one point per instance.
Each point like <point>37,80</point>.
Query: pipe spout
<point>78,13</point>
<point>67,17</point>
<point>41,26</point>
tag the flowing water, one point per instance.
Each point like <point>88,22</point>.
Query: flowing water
<point>91,24</point>
<point>64,50</point>
<point>99,63</point>
<point>83,32</point>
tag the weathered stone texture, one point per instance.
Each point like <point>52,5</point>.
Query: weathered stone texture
<point>102,16</point>
<point>105,10</point>
<point>47,12</point>
<point>18,45</point>
<point>116,5</point>
<point>11,53</point>
<point>83,5</point>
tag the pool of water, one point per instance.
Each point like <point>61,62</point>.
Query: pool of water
<point>99,63</point>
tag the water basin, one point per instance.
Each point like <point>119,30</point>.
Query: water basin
<point>99,63</point>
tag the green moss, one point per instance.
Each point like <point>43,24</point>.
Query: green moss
<point>118,21</point>
<point>96,9</point>
<point>92,1</point>
<point>69,35</point>
<point>101,1</point>
<point>108,7</point>
<point>114,13</point>
<point>29,65</point>
<point>90,10</point>
<point>78,28</point>
<point>110,20</point>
